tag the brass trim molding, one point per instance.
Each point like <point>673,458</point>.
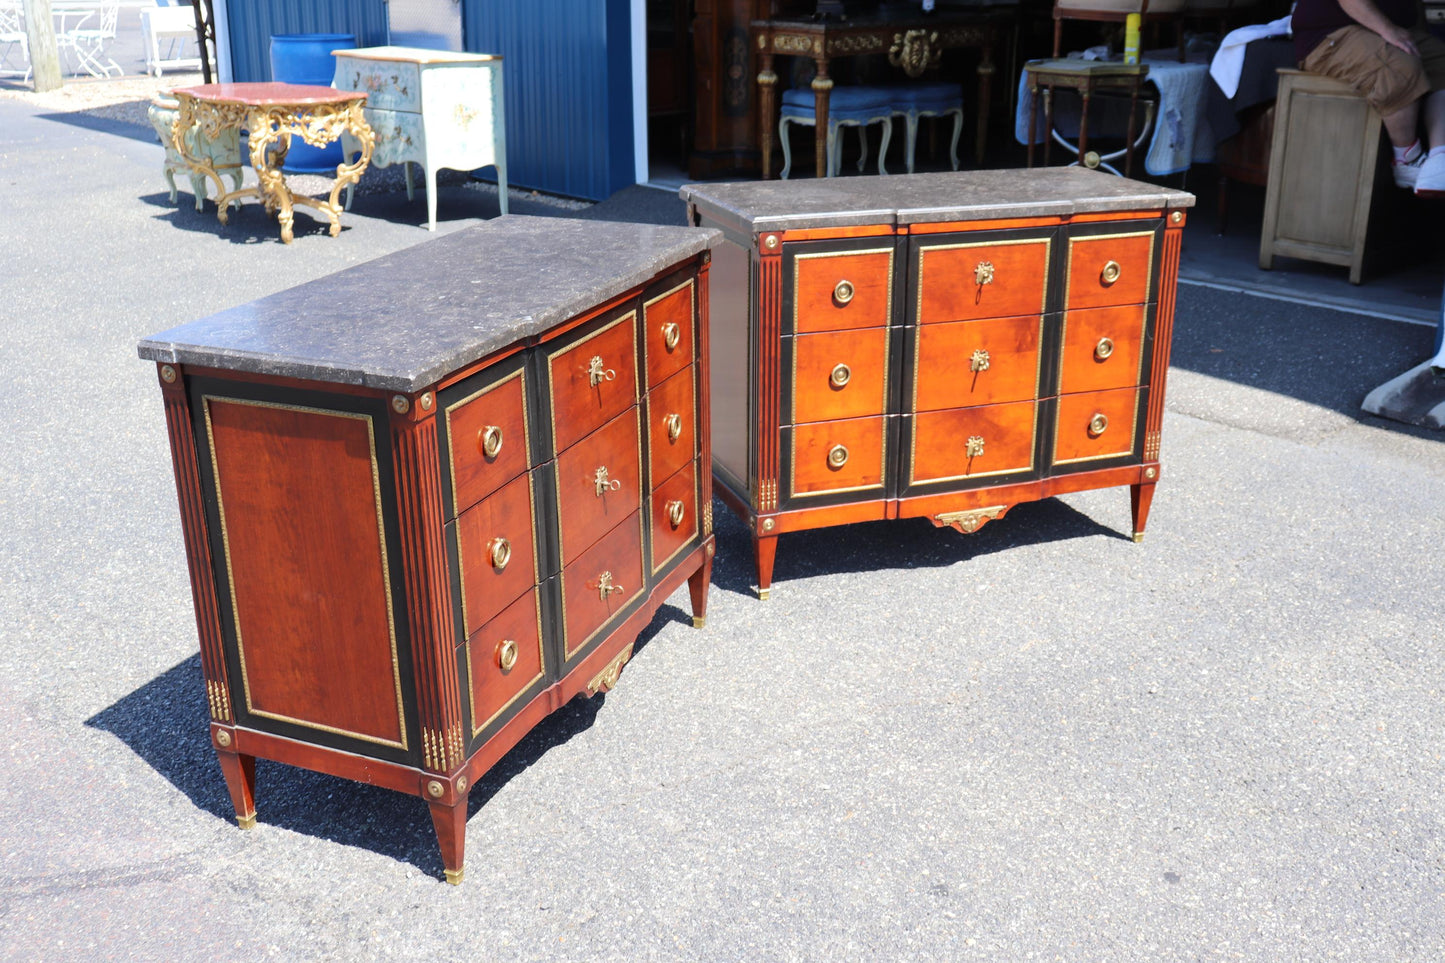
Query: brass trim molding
<point>607,678</point>
<point>969,520</point>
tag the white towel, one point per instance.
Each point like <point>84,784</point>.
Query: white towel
<point>1229,58</point>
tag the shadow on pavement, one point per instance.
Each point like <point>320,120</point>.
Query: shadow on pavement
<point>96,121</point>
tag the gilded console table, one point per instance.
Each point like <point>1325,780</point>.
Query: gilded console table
<point>914,44</point>
<point>273,113</point>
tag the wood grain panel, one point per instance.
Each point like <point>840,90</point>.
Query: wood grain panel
<point>818,397</point>
<point>310,588</point>
<point>674,398</point>
<point>502,518</point>
<point>1088,284</point>
<point>499,408</point>
<point>1007,350</point>
<point>949,276</point>
<point>813,472</point>
<point>667,538</point>
<point>491,689</point>
<point>1102,348</point>
<point>585,513</point>
<point>1074,438</point>
<point>581,400</point>
<point>816,279</point>
<point>587,601</point>
<point>941,441</point>
<point>669,313</point>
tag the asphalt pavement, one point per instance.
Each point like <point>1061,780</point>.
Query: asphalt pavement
<point>1038,742</point>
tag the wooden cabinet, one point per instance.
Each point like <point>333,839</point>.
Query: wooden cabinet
<point>939,345</point>
<point>411,540</point>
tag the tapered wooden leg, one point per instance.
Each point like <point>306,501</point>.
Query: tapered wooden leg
<point>450,822</point>
<point>697,584</point>
<point>765,549</point>
<point>1140,496</point>
<point>240,773</point>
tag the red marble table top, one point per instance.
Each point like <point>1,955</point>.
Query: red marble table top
<point>269,94</point>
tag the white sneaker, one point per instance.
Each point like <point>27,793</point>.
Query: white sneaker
<point>1430,182</point>
<point>1407,173</point>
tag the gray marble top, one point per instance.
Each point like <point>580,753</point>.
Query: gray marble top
<point>403,321</point>
<point>755,206</point>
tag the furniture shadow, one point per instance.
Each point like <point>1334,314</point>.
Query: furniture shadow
<point>892,544</point>
<point>247,224</point>
<point>166,723</point>
<point>104,122</point>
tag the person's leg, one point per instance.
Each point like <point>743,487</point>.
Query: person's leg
<point>1403,126</point>
<point>1431,179</point>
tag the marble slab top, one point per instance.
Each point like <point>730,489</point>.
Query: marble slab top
<point>755,206</point>
<point>405,320</point>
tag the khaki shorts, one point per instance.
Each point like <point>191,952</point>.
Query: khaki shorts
<point>1387,77</point>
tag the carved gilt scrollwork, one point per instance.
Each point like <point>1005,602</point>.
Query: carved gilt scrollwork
<point>916,51</point>
<point>969,521</point>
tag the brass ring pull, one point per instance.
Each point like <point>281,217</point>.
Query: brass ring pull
<point>1098,424</point>
<point>979,361</point>
<point>501,553</point>
<point>598,372</point>
<point>1104,348</point>
<point>671,335</point>
<point>675,511</point>
<point>489,441</point>
<point>674,427</point>
<point>983,273</point>
<point>506,655</point>
<point>837,456</point>
<point>843,292</point>
<point>603,484</point>
<point>973,448</point>
<point>1110,274</point>
<point>840,375</point>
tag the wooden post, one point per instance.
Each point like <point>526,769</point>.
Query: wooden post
<point>44,55</point>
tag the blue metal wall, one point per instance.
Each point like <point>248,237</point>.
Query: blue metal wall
<point>567,73</point>
<point>253,22</point>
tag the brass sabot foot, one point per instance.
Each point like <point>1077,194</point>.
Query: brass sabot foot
<point>699,621</point>
<point>454,876</point>
<point>1138,537</point>
<point>246,822</point>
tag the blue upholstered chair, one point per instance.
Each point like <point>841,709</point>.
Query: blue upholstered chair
<point>913,101</point>
<point>847,106</point>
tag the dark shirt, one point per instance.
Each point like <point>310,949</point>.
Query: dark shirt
<point>1314,20</point>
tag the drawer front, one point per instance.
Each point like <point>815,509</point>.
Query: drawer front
<point>488,440</point>
<point>967,363</point>
<point>1103,348</point>
<point>504,658</point>
<point>671,426</point>
<point>602,582</point>
<point>400,136</point>
<point>389,85</point>
<point>674,516</point>
<point>495,552</point>
<point>1099,424</point>
<point>982,279</point>
<point>966,443</point>
<point>841,374</point>
<point>837,456</point>
<point>599,483</point>
<point>667,340</point>
<point>593,380</point>
<point>835,291</point>
<point>1109,269</point>
<point>458,100</point>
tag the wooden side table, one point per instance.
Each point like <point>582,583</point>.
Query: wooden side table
<point>273,113</point>
<point>1087,77</point>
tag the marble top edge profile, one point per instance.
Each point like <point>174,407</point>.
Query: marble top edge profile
<point>405,320</point>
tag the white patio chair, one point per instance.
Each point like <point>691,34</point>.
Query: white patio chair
<point>12,35</point>
<point>89,37</point>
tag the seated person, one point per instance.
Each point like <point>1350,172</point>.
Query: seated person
<point>1377,47</point>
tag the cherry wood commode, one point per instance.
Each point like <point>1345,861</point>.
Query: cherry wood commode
<point>942,346</point>
<point>430,499</point>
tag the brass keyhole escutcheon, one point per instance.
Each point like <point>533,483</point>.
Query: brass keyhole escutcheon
<point>837,456</point>
<point>605,586</point>
<point>973,448</point>
<point>602,483</point>
<point>840,375</point>
<point>1098,424</point>
<point>1110,274</point>
<point>674,427</point>
<point>490,441</point>
<point>1104,348</point>
<point>506,655</point>
<point>598,372</point>
<point>843,292</point>
<point>671,335</point>
<point>979,361</point>
<point>675,511</point>
<point>983,273</point>
<point>501,553</point>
